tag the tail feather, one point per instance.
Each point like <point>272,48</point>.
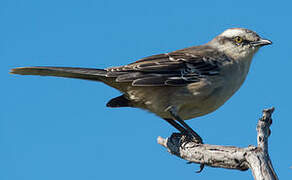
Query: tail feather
<point>68,72</point>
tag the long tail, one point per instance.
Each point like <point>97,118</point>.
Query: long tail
<point>79,73</point>
<point>68,72</point>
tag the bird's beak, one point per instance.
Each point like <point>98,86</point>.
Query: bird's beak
<point>261,42</point>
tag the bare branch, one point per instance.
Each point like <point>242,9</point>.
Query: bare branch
<point>230,157</point>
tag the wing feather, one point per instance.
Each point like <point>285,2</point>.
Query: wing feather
<point>177,68</point>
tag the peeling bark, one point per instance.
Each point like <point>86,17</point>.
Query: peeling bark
<point>230,157</point>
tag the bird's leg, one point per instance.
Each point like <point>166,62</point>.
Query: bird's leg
<point>176,126</point>
<point>191,132</point>
<point>184,129</point>
<point>179,128</point>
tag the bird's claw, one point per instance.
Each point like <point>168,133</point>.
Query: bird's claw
<point>201,167</point>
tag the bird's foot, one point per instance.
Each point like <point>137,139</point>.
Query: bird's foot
<point>185,140</point>
<point>189,141</point>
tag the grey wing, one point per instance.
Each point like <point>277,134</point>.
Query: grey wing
<point>171,69</point>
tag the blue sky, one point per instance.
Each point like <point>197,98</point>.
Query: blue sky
<point>55,128</point>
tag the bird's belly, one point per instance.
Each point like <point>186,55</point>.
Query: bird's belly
<point>190,102</point>
<point>209,102</point>
<point>203,106</point>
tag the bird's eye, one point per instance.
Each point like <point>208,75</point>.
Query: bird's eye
<point>238,39</point>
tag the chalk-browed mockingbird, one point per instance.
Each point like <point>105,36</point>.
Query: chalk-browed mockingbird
<point>179,85</point>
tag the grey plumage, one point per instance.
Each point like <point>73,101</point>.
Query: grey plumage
<point>178,68</point>
<point>183,84</point>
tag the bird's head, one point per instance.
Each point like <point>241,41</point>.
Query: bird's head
<point>239,42</point>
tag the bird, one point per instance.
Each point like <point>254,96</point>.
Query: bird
<point>179,85</point>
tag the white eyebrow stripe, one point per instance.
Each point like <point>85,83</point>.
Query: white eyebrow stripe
<point>232,32</point>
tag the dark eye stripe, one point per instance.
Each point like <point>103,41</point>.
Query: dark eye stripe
<point>245,42</point>
<point>222,40</point>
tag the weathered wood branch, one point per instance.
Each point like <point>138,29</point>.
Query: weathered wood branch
<point>230,157</point>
